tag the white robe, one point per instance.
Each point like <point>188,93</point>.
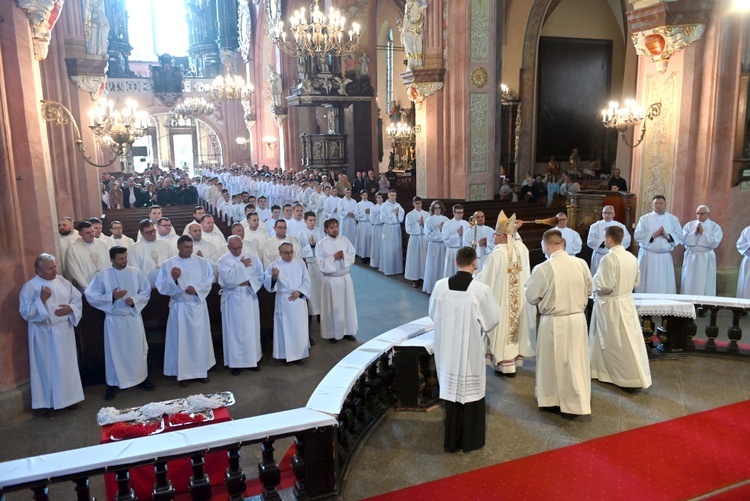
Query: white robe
<point>188,349</point>
<point>316,277</point>
<point>416,248</point>
<point>107,240</point>
<point>271,248</point>
<point>595,241</point>
<point>363,242</point>
<point>83,261</point>
<point>573,242</point>
<point>125,346</point>
<point>513,338</point>
<point>149,256</point>
<point>331,207</point>
<point>291,334</point>
<point>655,257</point>
<point>215,238</point>
<point>453,241</point>
<point>53,361</point>
<point>560,287</point>
<point>699,262</point>
<point>743,281</point>
<point>240,316</point>
<point>617,350</point>
<point>461,319</point>
<point>392,254</point>
<point>338,315</point>
<point>171,239</point>
<point>435,260</point>
<point>257,238</point>
<point>124,241</point>
<point>293,227</point>
<point>348,218</point>
<point>477,233</point>
<point>65,242</point>
<point>376,243</point>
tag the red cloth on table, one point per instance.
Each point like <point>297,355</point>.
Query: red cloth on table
<point>179,471</point>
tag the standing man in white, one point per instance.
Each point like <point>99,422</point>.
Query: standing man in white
<point>481,238</point>
<point>657,233</point>
<point>700,237</point>
<point>376,244</point>
<point>453,237</point>
<point>122,292</point>
<point>363,242</point>
<point>595,240</point>
<point>616,347</point>
<point>392,254</point>
<point>52,307</point>
<point>240,278</point>
<point>188,349</point>
<point>347,216</point>
<point>335,255</point>
<point>433,234</point>
<point>573,242</point>
<point>743,281</point>
<point>309,239</point>
<point>416,249</point>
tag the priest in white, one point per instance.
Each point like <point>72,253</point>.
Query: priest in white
<point>122,292</point>
<point>560,287</point>
<point>453,237</point>
<point>86,257</point>
<point>657,234</point>
<point>700,237</point>
<point>52,307</point>
<point>506,271</point>
<point>617,350</point>
<point>335,255</point>
<point>240,278</point>
<point>149,253</point>
<point>270,251</point>
<point>433,234</point>
<point>256,234</point>
<point>309,239</point>
<point>743,281</point>
<point>595,240</point>
<point>363,242</point>
<point>202,247</point>
<point>66,235</point>
<point>573,242</point>
<point>481,238</point>
<point>391,253</point>
<point>288,278</point>
<point>212,234</point>
<point>346,209</point>
<point>118,239</point>
<point>416,248</point>
<point>376,244</point>
<point>463,310</point>
<point>165,232</point>
<point>188,349</point>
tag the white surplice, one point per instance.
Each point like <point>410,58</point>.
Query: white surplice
<point>363,242</point>
<point>513,338</point>
<point>240,316</point>
<point>595,241</point>
<point>655,254</point>
<point>270,251</point>
<point>699,261</point>
<point>306,237</point>
<point>64,242</point>
<point>376,243</point>
<point>83,261</point>
<point>125,346</point>
<point>338,315</point>
<point>331,207</point>
<point>743,281</point>
<point>124,241</point>
<point>560,287</point>
<point>461,319</point>
<point>53,361</point>
<point>188,349</point>
<point>149,256</point>
<point>171,239</point>
<point>616,346</point>
<point>476,234</point>
<point>391,253</point>
<point>573,242</point>
<point>291,334</point>
<point>453,241</point>
<point>257,238</point>
<point>416,248</point>
<point>434,265</point>
<point>348,218</point>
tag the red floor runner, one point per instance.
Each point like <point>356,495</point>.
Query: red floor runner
<point>677,459</point>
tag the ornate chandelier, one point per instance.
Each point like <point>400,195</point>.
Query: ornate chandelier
<point>193,107</point>
<point>230,88</point>
<point>628,117</point>
<point>318,35</point>
<point>402,131</point>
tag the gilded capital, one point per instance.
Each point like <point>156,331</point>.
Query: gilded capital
<point>42,14</point>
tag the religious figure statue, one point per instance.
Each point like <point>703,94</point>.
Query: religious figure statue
<point>412,32</point>
<point>323,66</point>
<point>96,27</point>
<point>275,80</point>
<point>395,112</point>
<point>364,64</point>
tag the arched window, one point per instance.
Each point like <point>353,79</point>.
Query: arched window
<point>157,28</point>
<point>389,69</point>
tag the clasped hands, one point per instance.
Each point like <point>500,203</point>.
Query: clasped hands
<point>64,309</point>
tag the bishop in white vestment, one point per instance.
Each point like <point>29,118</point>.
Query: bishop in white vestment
<point>240,278</point>
<point>560,287</point>
<point>700,237</point>
<point>187,280</point>
<point>338,315</point>
<point>657,234</point>
<point>616,346</point>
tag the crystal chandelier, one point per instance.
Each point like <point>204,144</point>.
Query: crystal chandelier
<point>318,35</point>
<point>115,131</point>
<point>628,117</point>
<point>193,107</point>
<point>230,88</point>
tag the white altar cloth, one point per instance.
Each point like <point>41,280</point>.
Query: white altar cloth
<point>725,302</point>
<point>663,308</point>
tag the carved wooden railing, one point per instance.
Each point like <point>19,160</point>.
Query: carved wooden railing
<point>145,85</point>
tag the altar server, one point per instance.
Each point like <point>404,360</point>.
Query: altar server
<point>363,242</point>
<point>309,239</point>
<point>391,253</point>
<point>416,248</point>
<point>453,237</point>
<point>743,281</point>
<point>435,260</point>
<point>595,239</point>
<point>657,234</point>
<point>700,237</point>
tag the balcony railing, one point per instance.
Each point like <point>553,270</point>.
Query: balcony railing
<point>145,86</point>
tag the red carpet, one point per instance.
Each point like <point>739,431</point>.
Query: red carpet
<point>682,458</point>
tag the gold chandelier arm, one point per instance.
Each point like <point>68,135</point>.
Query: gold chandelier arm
<point>57,114</point>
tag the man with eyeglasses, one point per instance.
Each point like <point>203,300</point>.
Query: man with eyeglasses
<point>657,234</point>
<point>453,235</point>
<point>271,247</point>
<point>597,233</point>
<point>700,237</point>
<point>118,239</point>
<point>165,232</point>
<point>149,253</point>
<point>572,239</point>
<point>288,278</point>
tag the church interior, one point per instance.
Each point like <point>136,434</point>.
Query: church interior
<point>459,97</point>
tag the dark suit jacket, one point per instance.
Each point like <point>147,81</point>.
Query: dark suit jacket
<point>126,196</point>
<point>166,196</point>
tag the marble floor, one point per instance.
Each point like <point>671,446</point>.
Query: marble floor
<point>405,448</point>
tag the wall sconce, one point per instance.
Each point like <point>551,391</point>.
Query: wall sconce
<point>115,130</point>
<point>270,141</point>
<point>631,115</point>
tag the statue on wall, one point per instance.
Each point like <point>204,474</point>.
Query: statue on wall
<point>275,80</point>
<point>412,32</point>
<point>96,27</point>
<point>364,64</point>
